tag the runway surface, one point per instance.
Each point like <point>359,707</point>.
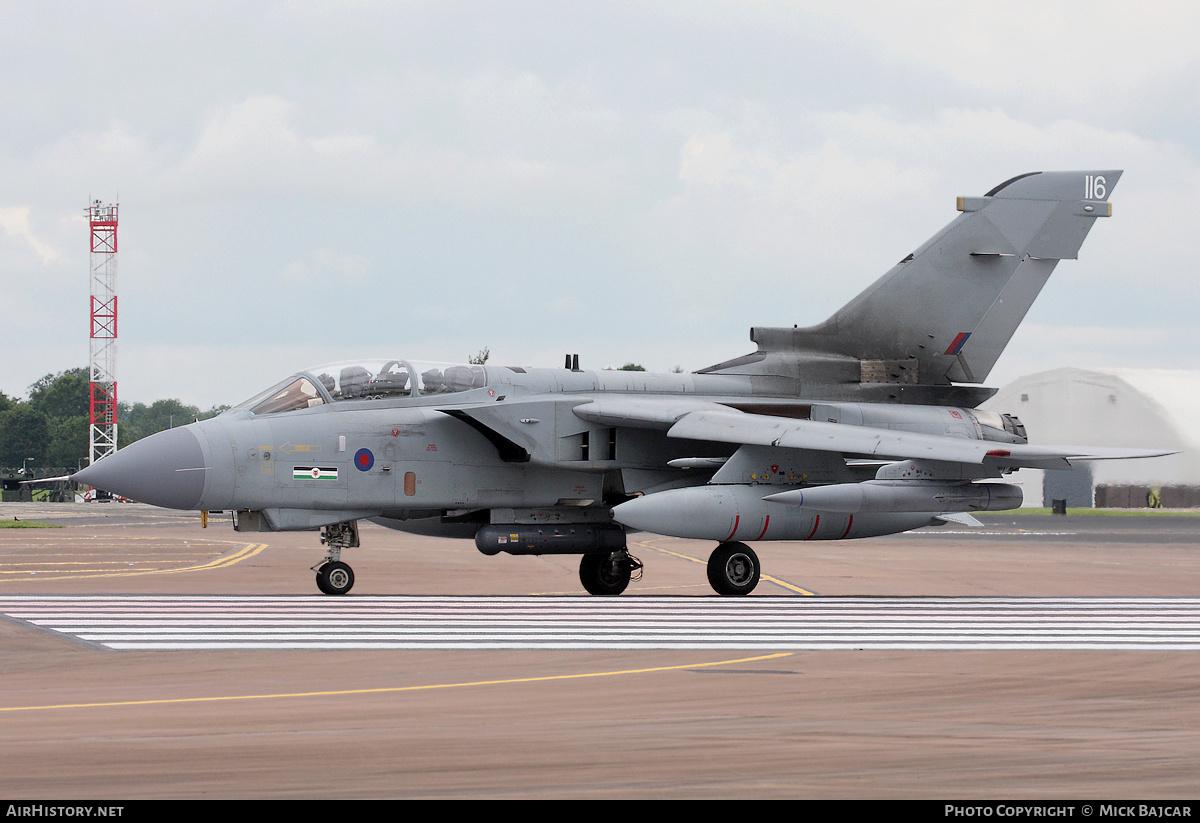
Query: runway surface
<point>1038,657</point>
<point>381,623</point>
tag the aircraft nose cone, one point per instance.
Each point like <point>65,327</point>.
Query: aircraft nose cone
<point>164,469</point>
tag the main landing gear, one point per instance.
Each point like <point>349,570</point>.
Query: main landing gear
<point>334,576</point>
<point>733,568</point>
<point>608,574</point>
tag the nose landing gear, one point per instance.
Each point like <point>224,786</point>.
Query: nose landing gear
<point>334,576</point>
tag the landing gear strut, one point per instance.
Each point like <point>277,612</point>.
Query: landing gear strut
<point>733,568</point>
<point>334,576</point>
<point>608,574</point>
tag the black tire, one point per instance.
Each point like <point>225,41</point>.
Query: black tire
<point>335,578</point>
<point>733,568</point>
<point>605,574</point>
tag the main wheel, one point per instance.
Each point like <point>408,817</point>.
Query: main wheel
<point>605,573</point>
<point>335,578</point>
<point>733,568</point>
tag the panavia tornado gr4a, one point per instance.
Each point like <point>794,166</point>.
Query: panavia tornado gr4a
<point>862,425</point>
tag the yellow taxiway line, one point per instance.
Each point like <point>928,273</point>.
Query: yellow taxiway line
<point>245,553</point>
<point>645,544</point>
<point>394,689</point>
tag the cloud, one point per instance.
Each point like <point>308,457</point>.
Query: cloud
<point>1090,47</point>
<point>323,265</point>
<point>879,181</point>
<point>15,223</point>
<point>267,146</point>
<point>1039,347</point>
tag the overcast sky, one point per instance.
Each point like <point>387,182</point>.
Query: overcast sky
<point>303,182</point>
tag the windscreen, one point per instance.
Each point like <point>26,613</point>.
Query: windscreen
<point>294,393</point>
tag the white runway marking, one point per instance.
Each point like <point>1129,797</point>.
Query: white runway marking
<point>783,623</point>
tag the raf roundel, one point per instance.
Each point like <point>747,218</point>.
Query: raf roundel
<point>364,460</point>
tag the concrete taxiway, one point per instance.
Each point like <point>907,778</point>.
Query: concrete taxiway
<point>715,719</point>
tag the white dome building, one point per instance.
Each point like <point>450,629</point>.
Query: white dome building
<point>1141,408</point>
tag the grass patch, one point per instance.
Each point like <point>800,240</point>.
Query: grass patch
<point>27,524</point>
<point>1112,512</point>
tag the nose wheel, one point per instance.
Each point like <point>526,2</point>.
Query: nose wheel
<point>733,568</point>
<point>335,578</point>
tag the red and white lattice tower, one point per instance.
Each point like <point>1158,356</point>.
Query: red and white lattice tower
<point>102,362</point>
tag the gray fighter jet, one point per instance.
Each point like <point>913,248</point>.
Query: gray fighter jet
<point>863,425</point>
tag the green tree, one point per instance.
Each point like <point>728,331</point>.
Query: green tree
<point>68,442</point>
<point>632,367</point>
<point>52,427</point>
<point>481,358</point>
<point>66,394</point>
<point>124,430</point>
<point>24,432</point>
<point>140,420</point>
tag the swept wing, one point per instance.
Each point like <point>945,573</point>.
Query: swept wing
<point>700,420</point>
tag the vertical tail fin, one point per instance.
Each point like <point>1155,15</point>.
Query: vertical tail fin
<point>946,312</point>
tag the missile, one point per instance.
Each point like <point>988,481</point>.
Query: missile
<point>903,496</point>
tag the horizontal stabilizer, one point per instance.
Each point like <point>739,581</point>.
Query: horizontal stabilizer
<point>961,518</point>
<point>46,480</point>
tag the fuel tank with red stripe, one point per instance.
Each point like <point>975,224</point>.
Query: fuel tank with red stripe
<point>738,512</point>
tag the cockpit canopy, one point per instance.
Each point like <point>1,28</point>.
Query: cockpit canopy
<point>365,380</point>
